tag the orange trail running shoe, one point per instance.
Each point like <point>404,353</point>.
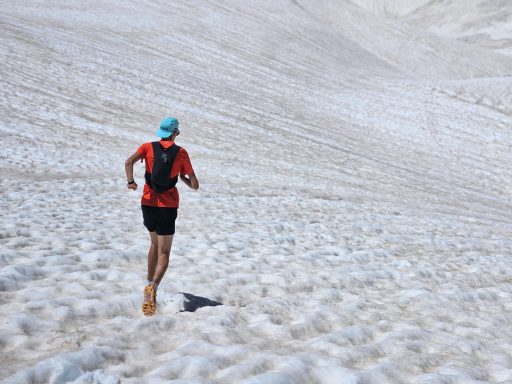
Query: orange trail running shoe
<point>149,304</point>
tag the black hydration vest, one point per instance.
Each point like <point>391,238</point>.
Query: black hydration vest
<point>159,178</point>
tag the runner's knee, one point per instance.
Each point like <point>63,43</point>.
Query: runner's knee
<point>164,252</point>
<point>163,261</point>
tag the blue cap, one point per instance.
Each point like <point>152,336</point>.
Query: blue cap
<point>167,126</point>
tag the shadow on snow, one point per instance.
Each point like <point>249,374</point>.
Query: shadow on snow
<point>192,302</point>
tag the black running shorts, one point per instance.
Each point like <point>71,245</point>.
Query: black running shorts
<point>159,220</point>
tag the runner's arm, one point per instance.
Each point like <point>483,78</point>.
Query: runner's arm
<point>128,168</point>
<point>191,181</point>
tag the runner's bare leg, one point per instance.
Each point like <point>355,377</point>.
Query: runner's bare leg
<point>152,255</point>
<point>164,250</point>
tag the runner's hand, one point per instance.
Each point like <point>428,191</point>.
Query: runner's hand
<point>133,186</point>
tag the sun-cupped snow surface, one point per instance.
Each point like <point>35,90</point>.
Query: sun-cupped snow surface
<point>355,209</point>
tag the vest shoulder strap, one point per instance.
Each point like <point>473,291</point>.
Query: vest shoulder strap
<point>159,148</point>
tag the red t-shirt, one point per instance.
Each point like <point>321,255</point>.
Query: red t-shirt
<point>182,165</point>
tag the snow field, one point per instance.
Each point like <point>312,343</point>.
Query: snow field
<point>349,291</point>
<point>354,211</point>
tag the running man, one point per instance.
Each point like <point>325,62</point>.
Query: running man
<point>165,161</point>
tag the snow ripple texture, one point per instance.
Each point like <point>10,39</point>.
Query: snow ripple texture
<point>354,215</point>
